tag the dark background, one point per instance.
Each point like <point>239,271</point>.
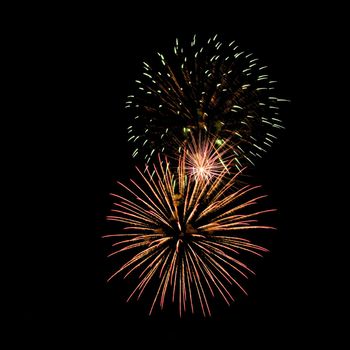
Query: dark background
<point>78,67</point>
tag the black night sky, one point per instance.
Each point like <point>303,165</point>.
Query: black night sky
<point>84,62</point>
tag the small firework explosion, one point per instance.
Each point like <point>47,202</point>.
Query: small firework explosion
<point>205,160</point>
<point>212,87</point>
<point>185,236</point>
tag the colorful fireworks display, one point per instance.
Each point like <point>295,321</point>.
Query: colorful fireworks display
<point>200,116</point>
<point>206,86</point>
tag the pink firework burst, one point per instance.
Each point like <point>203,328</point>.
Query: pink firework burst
<point>205,160</point>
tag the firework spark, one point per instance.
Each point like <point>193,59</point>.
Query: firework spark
<point>212,87</point>
<point>183,235</point>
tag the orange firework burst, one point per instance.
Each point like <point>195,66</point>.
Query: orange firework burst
<point>184,235</point>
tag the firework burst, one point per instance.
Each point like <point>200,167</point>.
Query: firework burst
<point>184,236</point>
<point>210,87</point>
<point>204,160</point>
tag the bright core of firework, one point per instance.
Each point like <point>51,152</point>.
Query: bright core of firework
<point>201,171</point>
<point>185,236</point>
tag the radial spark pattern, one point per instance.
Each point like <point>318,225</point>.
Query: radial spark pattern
<point>212,87</point>
<point>184,237</point>
<point>205,160</point>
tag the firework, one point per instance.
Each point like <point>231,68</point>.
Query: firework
<point>184,235</point>
<point>212,87</point>
<point>205,160</point>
